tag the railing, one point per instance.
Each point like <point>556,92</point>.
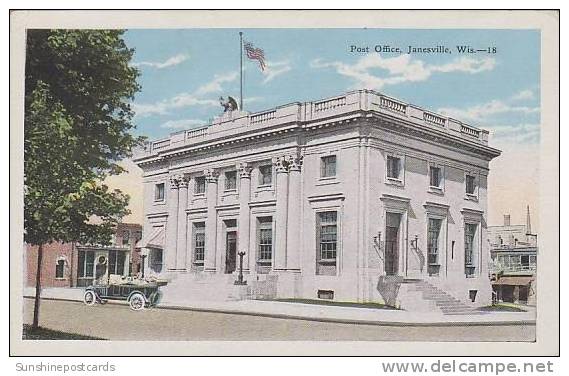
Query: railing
<point>392,105</point>
<point>313,111</point>
<point>263,116</point>
<point>196,133</point>
<point>434,119</point>
<point>159,145</point>
<point>499,268</point>
<point>329,104</point>
<point>469,131</point>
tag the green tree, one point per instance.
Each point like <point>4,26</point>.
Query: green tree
<point>77,126</point>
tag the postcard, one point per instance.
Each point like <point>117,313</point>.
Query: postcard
<point>258,182</point>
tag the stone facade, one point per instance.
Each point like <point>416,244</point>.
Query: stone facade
<point>344,198</point>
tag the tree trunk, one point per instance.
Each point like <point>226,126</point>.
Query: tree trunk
<point>35,324</point>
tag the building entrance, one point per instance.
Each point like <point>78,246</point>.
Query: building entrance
<point>230,252</point>
<point>392,226</point>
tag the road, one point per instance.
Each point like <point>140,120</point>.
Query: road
<point>118,322</point>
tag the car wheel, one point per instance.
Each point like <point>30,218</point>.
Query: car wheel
<point>137,301</point>
<point>89,298</point>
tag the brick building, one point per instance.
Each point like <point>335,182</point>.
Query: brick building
<point>76,265</point>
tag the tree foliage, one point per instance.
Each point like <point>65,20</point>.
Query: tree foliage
<point>77,126</point>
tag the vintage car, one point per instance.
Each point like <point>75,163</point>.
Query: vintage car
<point>139,293</point>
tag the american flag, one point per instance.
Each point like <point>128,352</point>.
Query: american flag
<point>255,54</point>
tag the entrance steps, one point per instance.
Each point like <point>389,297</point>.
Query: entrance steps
<point>418,295</point>
<point>200,287</point>
<point>203,286</point>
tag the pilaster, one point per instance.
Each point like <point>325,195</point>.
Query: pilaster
<point>281,213</point>
<point>181,248</point>
<point>172,225</point>
<point>211,178</point>
<point>243,241</point>
<point>293,242</point>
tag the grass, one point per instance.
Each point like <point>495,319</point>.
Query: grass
<point>504,307</point>
<point>335,303</point>
<point>48,334</point>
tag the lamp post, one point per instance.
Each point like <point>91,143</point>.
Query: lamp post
<point>240,280</point>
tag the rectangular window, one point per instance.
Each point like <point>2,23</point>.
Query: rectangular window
<point>328,166</point>
<point>85,264</point>
<point>199,242</point>
<point>265,239</point>
<point>126,238</point>
<point>328,235</point>
<point>199,187</point>
<point>435,177</point>
<point>469,248</point>
<point>156,260</point>
<point>159,192</point>
<point>230,180</point>
<point>393,167</point>
<point>266,175</point>
<point>116,262</point>
<point>470,184</point>
<point>59,267</point>
<point>433,231</point>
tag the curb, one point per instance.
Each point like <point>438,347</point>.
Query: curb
<point>322,319</point>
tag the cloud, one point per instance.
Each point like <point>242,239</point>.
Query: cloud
<point>523,95</point>
<point>189,99</point>
<point>487,110</point>
<point>515,134</point>
<point>215,85</point>
<point>183,123</point>
<point>400,69</point>
<point>275,69</point>
<point>170,62</point>
<point>163,107</point>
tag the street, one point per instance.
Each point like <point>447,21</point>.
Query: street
<point>118,322</point>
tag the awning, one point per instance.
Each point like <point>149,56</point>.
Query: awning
<point>155,240</point>
<point>513,281</point>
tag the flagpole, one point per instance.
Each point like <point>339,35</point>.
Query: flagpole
<point>241,71</point>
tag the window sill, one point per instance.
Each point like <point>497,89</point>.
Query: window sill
<point>198,195</point>
<point>394,181</point>
<point>264,262</point>
<point>264,188</point>
<point>327,261</point>
<point>327,180</point>
<point>471,197</point>
<point>60,279</point>
<point>436,190</point>
<point>159,202</point>
<point>198,263</point>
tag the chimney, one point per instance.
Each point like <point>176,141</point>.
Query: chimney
<point>506,219</point>
<point>528,223</point>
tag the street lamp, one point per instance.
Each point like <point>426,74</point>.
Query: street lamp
<point>240,280</point>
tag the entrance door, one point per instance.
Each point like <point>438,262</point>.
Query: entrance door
<point>392,243</point>
<point>230,252</point>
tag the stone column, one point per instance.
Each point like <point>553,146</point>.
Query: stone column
<point>181,247</point>
<point>172,225</point>
<point>211,222</point>
<point>294,209</point>
<point>244,217</point>
<point>279,257</point>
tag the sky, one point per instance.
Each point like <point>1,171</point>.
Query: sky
<point>184,72</point>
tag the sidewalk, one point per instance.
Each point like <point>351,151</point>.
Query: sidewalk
<point>314,312</point>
